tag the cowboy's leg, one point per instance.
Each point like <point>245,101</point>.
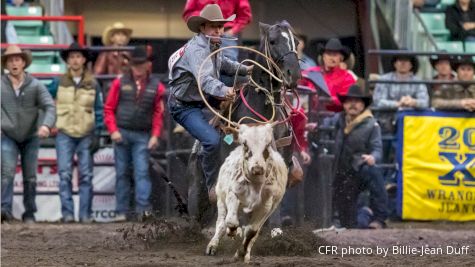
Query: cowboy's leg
<point>29,164</point>
<point>9,162</point>
<point>193,120</point>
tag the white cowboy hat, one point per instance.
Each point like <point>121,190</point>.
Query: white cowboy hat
<point>14,50</point>
<point>211,12</point>
<point>110,30</point>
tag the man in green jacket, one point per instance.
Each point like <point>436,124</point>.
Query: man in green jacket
<point>79,110</point>
<point>22,99</point>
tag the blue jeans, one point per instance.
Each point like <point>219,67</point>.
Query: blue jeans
<point>193,120</point>
<point>132,152</point>
<point>28,151</point>
<point>66,147</point>
<point>348,185</point>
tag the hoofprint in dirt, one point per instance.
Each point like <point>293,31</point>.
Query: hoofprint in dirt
<point>177,242</point>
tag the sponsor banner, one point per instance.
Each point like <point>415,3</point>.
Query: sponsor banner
<point>436,154</point>
<point>47,200</point>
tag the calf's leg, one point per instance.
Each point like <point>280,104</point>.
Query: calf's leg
<point>220,227</point>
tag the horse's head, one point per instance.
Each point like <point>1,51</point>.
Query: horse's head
<point>282,46</point>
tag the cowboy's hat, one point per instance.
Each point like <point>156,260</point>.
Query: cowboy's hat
<point>414,61</point>
<point>110,30</point>
<point>140,55</point>
<point>355,91</point>
<point>436,58</point>
<point>334,45</point>
<point>462,60</point>
<point>210,13</point>
<point>75,47</point>
<point>14,50</point>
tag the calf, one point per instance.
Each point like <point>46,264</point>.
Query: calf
<point>251,180</point>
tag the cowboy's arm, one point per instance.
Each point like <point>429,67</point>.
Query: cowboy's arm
<point>442,100</point>
<point>422,97</point>
<point>376,143</point>
<point>381,97</point>
<point>99,109</point>
<point>230,67</point>
<point>46,103</point>
<point>209,84</point>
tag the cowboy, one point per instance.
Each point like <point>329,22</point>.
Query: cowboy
<point>338,80</point>
<point>458,96</point>
<point>443,65</point>
<point>358,148</point>
<point>400,96</point>
<point>23,97</point>
<point>114,62</point>
<point>79,111</point>
<point>133,116</point>
<point>185,101</point>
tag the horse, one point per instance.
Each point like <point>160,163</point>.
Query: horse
<point>278,43</point>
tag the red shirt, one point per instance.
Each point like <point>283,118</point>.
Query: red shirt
<point>299,121</point>
<point>241,8</point>
<point>113,100</point>
<point>338,82</point>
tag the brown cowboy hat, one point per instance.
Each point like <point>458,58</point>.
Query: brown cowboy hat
<point>462,60</point>
<point>14,50</point>
<point>211,12</point>
<point>355,91</point>
<point>110,30</point>
<point>140,55</point>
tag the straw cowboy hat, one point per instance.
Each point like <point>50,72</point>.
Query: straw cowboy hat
<point>110,30</point>
<point>210,13</point>
<point>356,91</point>
<point>13,50</point>
<point>75,47</point>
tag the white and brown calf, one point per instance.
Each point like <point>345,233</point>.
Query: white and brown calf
<point>251,180</point>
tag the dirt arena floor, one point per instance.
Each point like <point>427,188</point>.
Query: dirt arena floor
<point>177,242</point>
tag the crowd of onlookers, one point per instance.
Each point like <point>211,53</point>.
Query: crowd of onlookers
<point>75,109</point>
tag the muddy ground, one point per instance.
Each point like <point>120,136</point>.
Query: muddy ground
<point>177,242</point>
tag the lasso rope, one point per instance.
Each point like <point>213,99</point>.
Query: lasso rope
<point>269,62</point>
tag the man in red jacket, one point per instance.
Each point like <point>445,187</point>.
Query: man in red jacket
<point>133,116</point>
<point>232,29</point>
<point>338,80</point>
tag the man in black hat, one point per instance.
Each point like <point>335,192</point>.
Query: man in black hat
<point>134,117</point>
<point>396,96</point>
<point>443,65</point>
<point>337,80</point>
<point>358,147</point>
<point>79,121</point>
<point>458,96</point>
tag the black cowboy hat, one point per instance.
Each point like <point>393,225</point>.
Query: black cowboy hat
<point>462,60</point>
<point>76,47</point>
<point>355,91</point>
<point>436,58</point>
<point>334,45</point>
<point>140,55</point>
<point>413,59</point>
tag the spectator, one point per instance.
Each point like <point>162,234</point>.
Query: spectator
<point>23,97</point>
<point>442,64</point>
<point>133,115</point>
<point>394,96</point>
<point>240,9</point>
<point>79,111</point>
<point>338,80</point>
<point>458,96</point>
<point>460,20</point>
<point>304,60</point>
<point>114,62</point>
<point>185,101</point>
<point>8,30</point>
<point>358,148</point>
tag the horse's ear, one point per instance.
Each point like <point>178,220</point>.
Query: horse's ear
<point>264,27</point>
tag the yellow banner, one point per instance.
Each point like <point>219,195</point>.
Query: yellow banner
<point>438,167</point>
